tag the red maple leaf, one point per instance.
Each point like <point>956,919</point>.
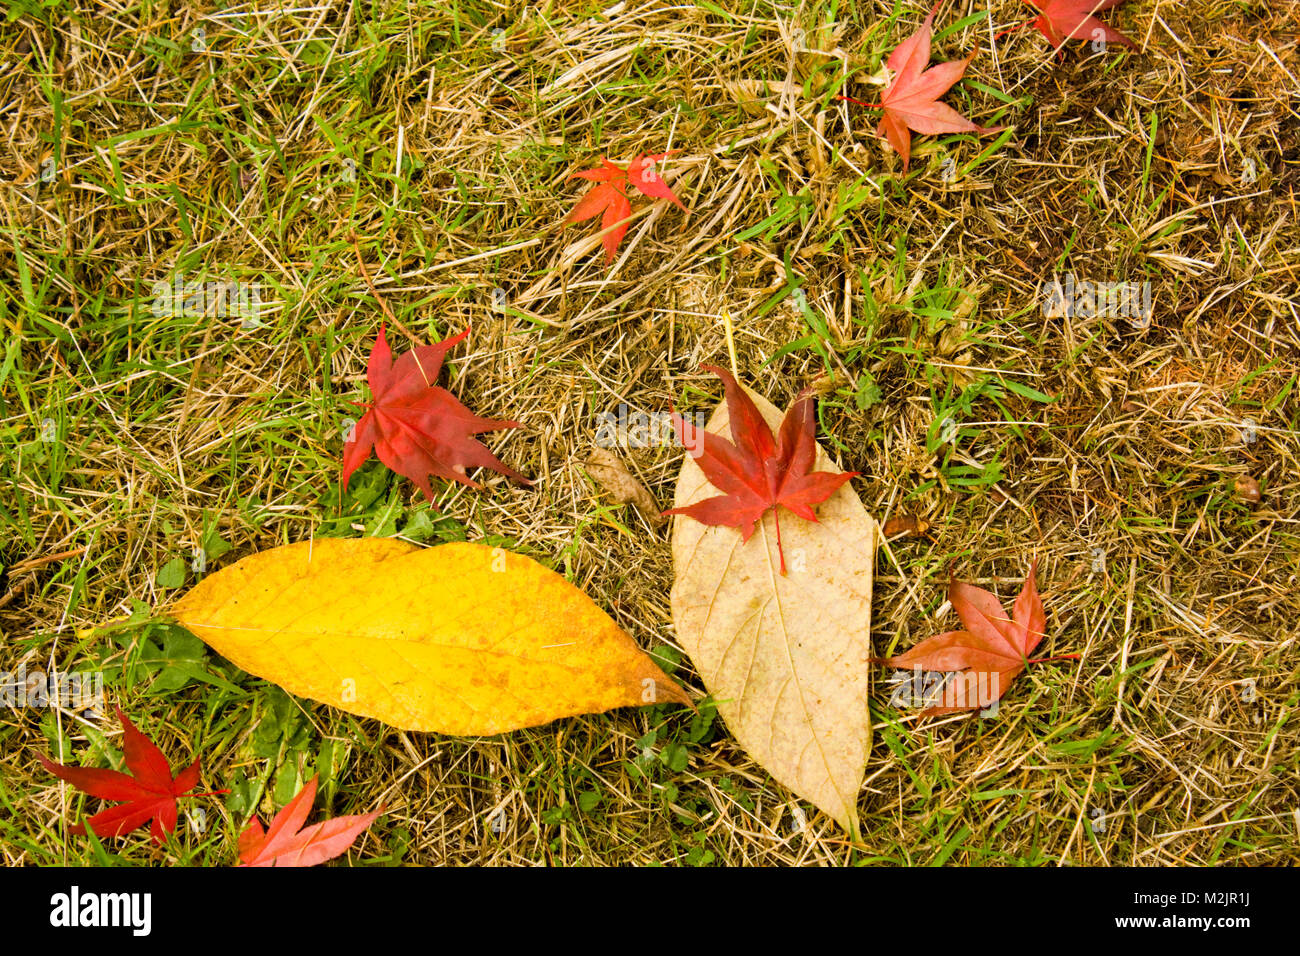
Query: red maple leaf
<point>609,199</point>
<point>911,100</point>
<point>643,173</point>
<point>285,843</point>
<point>993,648</point>
<point>416,428</point>
<point>149,792</point>
<point>1062,20</point>
<point>756,470</point>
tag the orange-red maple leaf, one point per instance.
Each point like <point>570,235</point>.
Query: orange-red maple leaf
<point>416,428</point>
<point>993,649</point>
<point>286,843</point>
<point>609,199</point>
<point>1061,20</point>
<point>149,792</point>
<point>757,471</point>
<point>643,173</point>
<point>911,101</point>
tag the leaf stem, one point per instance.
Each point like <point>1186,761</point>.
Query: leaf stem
<point>1049,660</point>
<point>776,514</point>
<point>731,343</point>
<point>856,102</point>
<point>1010,30</point>
<point>365,274</point>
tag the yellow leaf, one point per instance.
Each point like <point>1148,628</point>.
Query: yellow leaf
<point>459,638</point>
<point>785,656</point>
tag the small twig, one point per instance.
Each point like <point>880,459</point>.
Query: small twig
<point>31,563</point>
<point>25,568</point>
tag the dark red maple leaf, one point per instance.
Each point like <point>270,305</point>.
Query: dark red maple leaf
<point>609,199</point>
<point>1061,20</point>
<point>757,471</point>
<point>149,792</point>
<point>993,648</point>
<point>286,843</point>
<point>416,428</point>
<point>911,101</point>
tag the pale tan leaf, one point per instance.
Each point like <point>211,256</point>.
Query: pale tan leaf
<point>786,658</point>
<point>612,475</point>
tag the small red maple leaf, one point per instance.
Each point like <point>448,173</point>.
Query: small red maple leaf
<point>1062,20</point>
<point>911,101</point>
<point>286,843</point>
<point>416,428</point>
<point>643,173</point>
<point>756,470</point>
<point>609,199</point>
<point>149,792</point>
<point>993,646</point>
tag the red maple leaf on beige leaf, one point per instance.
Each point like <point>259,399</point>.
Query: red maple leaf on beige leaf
<point>758,471</point>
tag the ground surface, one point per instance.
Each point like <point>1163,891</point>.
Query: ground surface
<point>1122,454</point>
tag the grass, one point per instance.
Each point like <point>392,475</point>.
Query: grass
<point>138,448</point>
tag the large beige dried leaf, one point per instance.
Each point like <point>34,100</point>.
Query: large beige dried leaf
<point>459,638</point>
<point>786,658</point>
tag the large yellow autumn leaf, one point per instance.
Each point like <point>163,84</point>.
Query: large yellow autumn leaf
<point>459,638</point>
